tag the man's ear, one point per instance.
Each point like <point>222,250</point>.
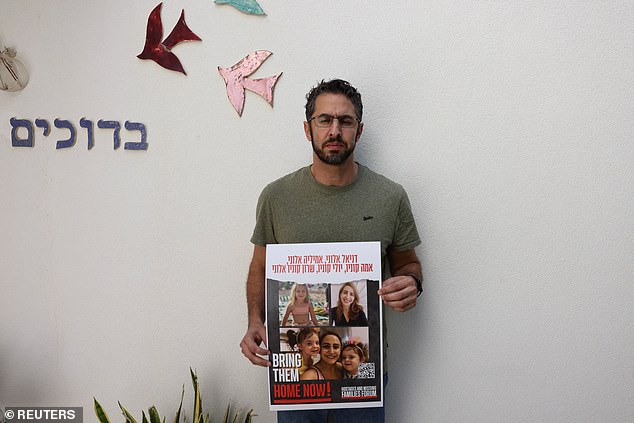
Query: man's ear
<point>359,131</point>
<point>307,131</point>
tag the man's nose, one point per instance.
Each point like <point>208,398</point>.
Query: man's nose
<point>335,127</point>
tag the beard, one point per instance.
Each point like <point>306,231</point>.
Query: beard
<point>333,158</point>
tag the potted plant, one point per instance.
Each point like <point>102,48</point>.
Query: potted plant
<point>153,415</point>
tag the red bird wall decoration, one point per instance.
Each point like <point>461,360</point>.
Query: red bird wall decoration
<point>161,52</point>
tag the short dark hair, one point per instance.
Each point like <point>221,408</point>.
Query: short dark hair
<point>334,86</point>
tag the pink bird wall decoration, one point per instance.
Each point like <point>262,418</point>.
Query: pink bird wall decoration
<point>161,52</point>
<point>236,80</point>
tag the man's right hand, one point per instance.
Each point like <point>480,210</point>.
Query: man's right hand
<point>250,345</point>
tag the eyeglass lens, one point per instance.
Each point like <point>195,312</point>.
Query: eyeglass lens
<point>325,121</point>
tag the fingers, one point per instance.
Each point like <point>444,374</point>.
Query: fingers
<point>399,293</point>
<point>249,353</point>
<point>402,305</point>
<point>250,347</point>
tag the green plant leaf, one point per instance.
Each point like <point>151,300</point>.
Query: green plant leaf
<point>197,418</point>
<point>154,415</point>
<point>128,417</point>
<point>226,419</point>
<point>180,407</point>
<point>100,412</point>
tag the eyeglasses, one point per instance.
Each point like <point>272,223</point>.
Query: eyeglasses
<point>325,121</point>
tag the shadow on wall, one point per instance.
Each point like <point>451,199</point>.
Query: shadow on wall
<point>405,334</point>
<point>24,389</point>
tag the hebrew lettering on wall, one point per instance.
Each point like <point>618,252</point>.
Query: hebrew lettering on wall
<point>71,133</point>
<point>43,123</point>
<point>70,141</point>
<point>16,124</point>
<point>112,124</point>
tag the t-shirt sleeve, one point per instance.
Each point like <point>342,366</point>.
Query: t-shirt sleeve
<point>406,234</point>
<point>263,233</point>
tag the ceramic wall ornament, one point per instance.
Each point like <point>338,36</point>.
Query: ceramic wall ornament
<point>161,52</point>
<point>250,7</point>
<point>236,80</point>
<point>13,74</point>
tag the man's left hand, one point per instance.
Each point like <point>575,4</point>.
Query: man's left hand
<point>399,293</point>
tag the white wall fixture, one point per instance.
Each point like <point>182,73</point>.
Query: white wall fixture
<point>13,73</point>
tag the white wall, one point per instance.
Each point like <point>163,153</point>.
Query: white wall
<point>509,123</point>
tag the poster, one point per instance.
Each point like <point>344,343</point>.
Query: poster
<point>324,325</point>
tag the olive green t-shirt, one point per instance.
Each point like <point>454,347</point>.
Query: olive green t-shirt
<point>297,209</point>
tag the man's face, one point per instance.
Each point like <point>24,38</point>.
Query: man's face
<point>333,144</point>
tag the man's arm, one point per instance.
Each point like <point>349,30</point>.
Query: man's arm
<point>399,292</point>
<point>256,332</point>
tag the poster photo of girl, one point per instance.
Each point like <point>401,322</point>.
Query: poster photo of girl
<point>303,305</point>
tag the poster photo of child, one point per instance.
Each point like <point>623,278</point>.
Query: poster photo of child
<point>303,305</point>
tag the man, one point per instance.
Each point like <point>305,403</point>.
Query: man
<point>334,200</point>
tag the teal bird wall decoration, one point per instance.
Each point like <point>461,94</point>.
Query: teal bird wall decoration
<point>247,6</point>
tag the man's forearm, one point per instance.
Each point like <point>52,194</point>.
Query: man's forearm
<point>405,263</point>
<point>255,297</point>
<point>251,344</point>
<point>409,269</point>
<point>401,290</point>
<point>255,285</point>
